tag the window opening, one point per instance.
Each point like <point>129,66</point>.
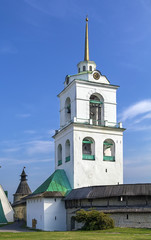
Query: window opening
<point>59,154</point>
<point>72,222</point>
<point>68,110</point>
<point>109,150</point>
<point>67,150</point>
<point>88,149</point>
<point>90,68</point>
<point>95,110</point>
<point>84,68</point>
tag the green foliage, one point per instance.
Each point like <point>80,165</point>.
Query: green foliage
<point>94,220</point>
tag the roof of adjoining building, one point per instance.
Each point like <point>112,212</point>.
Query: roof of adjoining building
<point>57,185</point>
<point>96,192</point>
<point>2,215</point>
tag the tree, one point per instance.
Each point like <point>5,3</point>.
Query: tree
<point>94,220</point>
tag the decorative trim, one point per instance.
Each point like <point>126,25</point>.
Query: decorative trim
<point>109,158</point>
<point>88,157</point>
<point>67,159</point>
<point>59,162</point>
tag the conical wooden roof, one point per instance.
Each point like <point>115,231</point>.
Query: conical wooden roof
<point>23,187</point>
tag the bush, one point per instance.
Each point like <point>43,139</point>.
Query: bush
<point>94,220</point>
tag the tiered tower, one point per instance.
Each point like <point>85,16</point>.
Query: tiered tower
<point>89,143</point>
<point>23,188</point>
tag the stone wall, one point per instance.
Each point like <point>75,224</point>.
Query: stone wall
<point>134,211</point>
<point>134,220</point>
<point>20,212</point>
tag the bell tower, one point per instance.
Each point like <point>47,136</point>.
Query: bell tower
<point>89,142</point>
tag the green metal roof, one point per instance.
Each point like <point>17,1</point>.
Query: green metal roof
<point>2,215</point>
<point>57,182</point>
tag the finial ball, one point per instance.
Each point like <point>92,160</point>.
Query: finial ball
<point>86,19</point>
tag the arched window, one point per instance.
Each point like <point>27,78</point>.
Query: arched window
<point>72,223</point>
<point>79,70</point>
<point>90,68</point>
<point>59,154</point>
<point>67,151</point>
<point>88,149</point>
<point>96,109</point>
<point>84,68</point>
<point>68,110</point>
<point>109,150</point>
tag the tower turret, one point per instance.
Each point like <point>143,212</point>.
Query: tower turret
<point>23,188</point>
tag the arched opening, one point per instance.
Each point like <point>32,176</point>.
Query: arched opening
<point>78,70</point>
<point>96,109</point>
<point>90,68</point>
<point>59,154</point>
<point>72,223</point>
<point>67,151</point>
<point>109,150</point>
<point>88,149</point>
<point>84,68</point>
<point>68,110</point>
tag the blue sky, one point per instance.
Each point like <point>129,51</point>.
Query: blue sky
<point>41,42</point>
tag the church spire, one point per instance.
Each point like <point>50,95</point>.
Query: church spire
<point>86,55</point>
<point>86,65</point>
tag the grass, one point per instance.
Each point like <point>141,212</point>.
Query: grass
<point>112,234</point>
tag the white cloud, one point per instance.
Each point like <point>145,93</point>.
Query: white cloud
<point>137,109</point>
<point>137,127</point>
<point>137,168</point>
<point>147,116</point>
<point>51,132</point>
<point>13,149</point>
<point>29,147</point>
<point>30,131</point>
<point>7,160</point>
<point>39,146</point>
<point>22,152</point>
<point>23,115</point>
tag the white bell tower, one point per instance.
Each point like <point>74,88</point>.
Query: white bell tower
<point>89,143</point>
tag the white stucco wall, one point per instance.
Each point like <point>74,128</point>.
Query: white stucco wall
<point>35,210</point>
<point>71,93</point>
<point>87,74</point>
<point>50,214</point>
<point>55,215</point>
<point>87,65</point>
<point>7,208</point>
<point>82,173</point>
<point>61,138</point>
<point>97,172</point>
<point>79,93</point>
